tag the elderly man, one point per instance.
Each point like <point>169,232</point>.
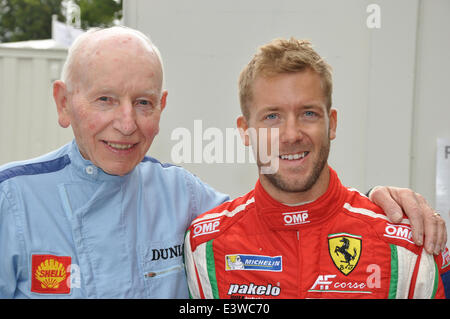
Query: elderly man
<point>300,233</point>
<point>97,218</point>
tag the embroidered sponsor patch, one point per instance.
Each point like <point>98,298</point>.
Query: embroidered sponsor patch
<point>253,262</point>
<point>345,250</point>
<point>329,283</point>
<point>50,274</point>
<point>254,290</point>
<point>401,232</point>
<point>295,218</point>
<point>206,227</point>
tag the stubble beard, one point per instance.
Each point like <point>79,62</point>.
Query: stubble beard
<point>279,182</point>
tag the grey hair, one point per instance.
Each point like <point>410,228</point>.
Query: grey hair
<point>67,69</point>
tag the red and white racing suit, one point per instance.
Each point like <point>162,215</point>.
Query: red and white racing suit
<point>339,246</point>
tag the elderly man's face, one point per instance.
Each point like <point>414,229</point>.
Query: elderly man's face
<point>115,104</point>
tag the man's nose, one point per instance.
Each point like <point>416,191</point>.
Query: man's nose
<point>125,121</point>
<point>291,131</point>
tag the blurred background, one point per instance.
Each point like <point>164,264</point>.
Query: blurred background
<point>391,85</point>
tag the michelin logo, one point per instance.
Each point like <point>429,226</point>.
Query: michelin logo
<point>253,262</point>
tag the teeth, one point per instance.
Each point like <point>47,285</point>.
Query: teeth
<point>120,146</point>
<point>291,157</point>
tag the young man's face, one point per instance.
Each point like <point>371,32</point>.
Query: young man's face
<point>294,104</point>
<point>115,105</point>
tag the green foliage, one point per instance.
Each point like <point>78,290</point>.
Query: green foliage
<point>22,20</point>
<point>99,13</point>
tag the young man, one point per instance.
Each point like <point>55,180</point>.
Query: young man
<point>300,233</point>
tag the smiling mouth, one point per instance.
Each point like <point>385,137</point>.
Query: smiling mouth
<point>119,146</point>
<point>291,157</point>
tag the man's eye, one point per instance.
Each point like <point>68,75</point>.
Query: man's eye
<point>145,103</point>
<point>272,116</point>
<point>104,98</point>
<point>310,114</point>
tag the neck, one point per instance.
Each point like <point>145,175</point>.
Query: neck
<point>291,198</point>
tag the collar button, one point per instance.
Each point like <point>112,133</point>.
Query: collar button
<point>90,170</point>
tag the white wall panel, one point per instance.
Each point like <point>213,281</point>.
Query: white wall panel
<point>28,120</point>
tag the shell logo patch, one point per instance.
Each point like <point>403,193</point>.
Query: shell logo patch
<point>345,250</point>
<point>49,274</point>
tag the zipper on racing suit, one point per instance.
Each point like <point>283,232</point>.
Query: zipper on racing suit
<point>299,268</point>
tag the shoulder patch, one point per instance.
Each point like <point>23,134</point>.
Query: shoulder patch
<point>218,218</point>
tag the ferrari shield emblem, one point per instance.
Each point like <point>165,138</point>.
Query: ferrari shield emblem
<point>345,250</point>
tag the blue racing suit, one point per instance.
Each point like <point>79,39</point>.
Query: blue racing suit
<point>68,229</point>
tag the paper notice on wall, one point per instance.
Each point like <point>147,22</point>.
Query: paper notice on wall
<point>443,179</point>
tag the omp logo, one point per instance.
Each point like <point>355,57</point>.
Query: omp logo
<point>254,290</point>
<point>206,227</point>
<point>402,232</point>
<point>295,218</point>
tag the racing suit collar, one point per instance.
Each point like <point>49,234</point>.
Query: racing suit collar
<point>87,170</point>
<point>278,216</point>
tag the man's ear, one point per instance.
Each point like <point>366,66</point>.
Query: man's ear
<point>60,97</point>
<point>163,100</point>
<point>333,123</point>
<point>243,129</point>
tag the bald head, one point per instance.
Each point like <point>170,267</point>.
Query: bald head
<point>95,46</point>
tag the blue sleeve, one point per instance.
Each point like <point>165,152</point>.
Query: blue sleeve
<point>10,246</point>
<point>446,281</point>
<point>204,196</point>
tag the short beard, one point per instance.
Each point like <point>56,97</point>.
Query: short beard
<point>277,181</point>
